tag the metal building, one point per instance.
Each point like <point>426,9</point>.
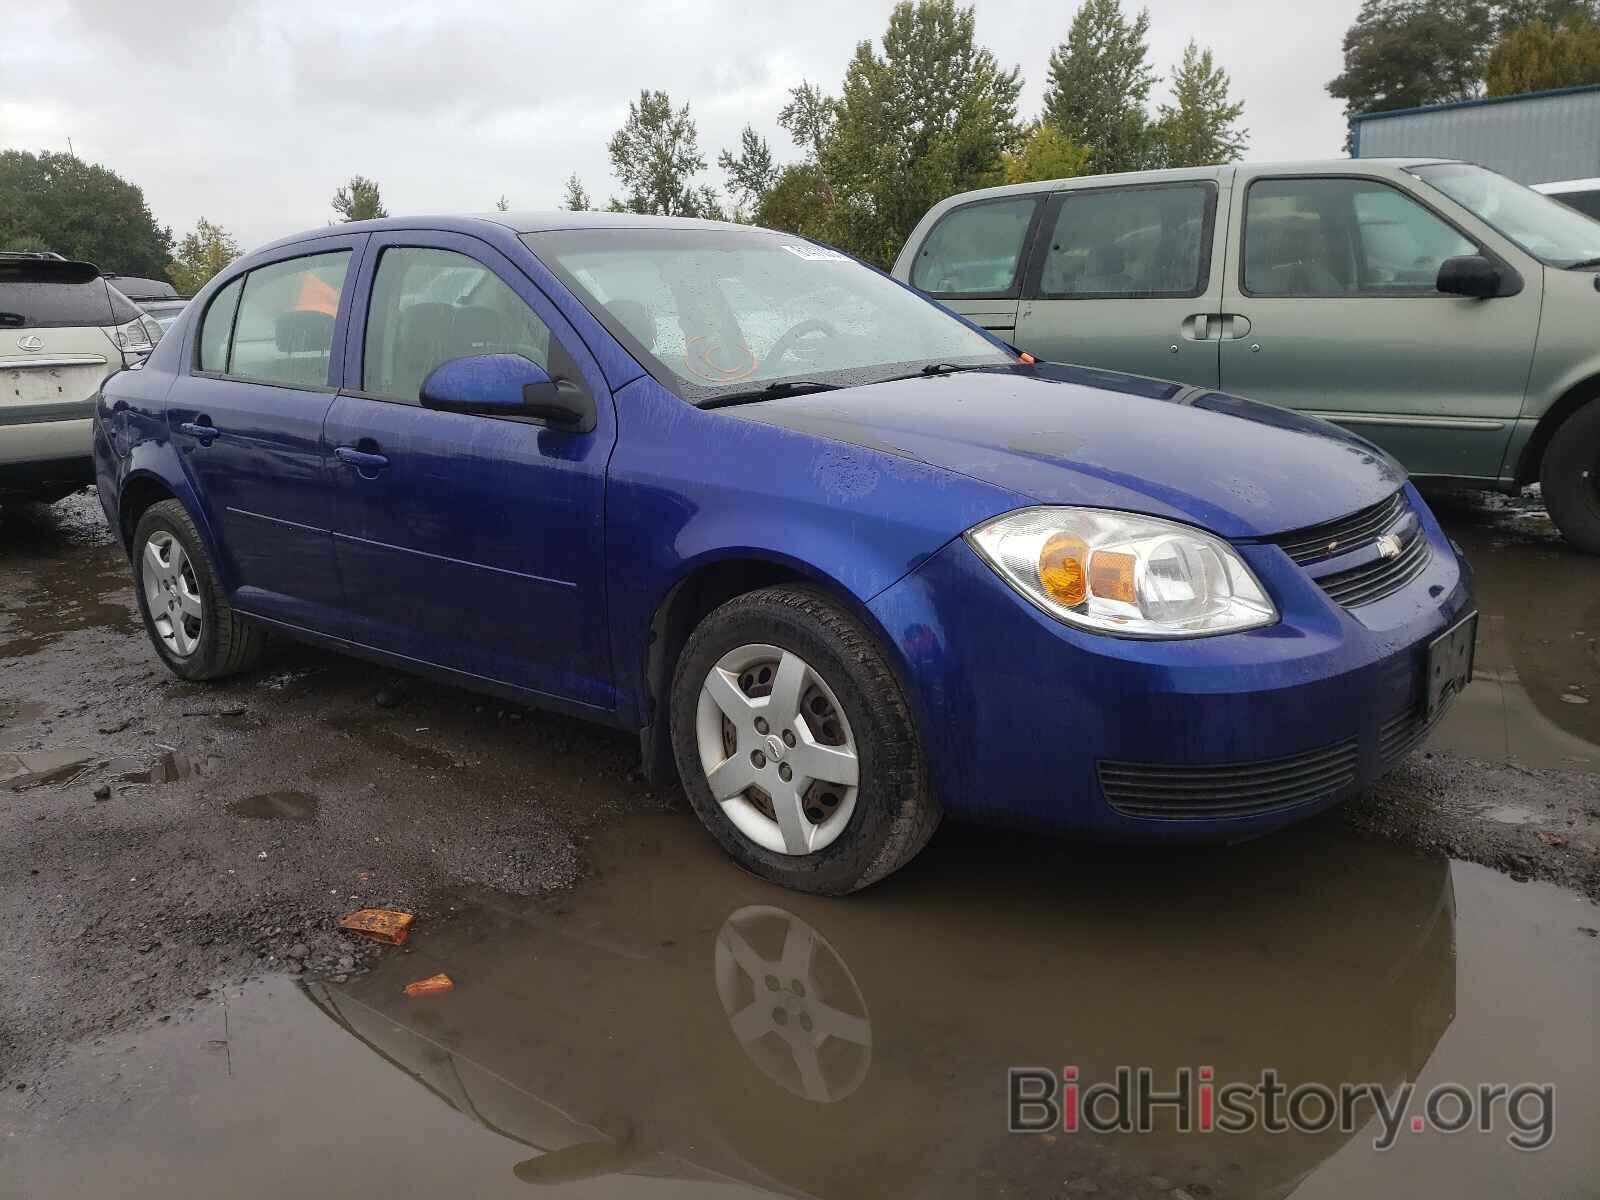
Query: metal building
<point>1534,138</point>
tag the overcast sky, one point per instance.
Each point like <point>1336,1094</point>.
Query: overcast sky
<point>251,112</point>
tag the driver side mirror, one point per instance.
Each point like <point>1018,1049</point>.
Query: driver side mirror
<point>508,385</point>
<point>1475,276</point>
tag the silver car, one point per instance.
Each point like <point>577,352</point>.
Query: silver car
<point>1438,309</point>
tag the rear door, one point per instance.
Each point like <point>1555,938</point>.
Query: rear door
<point>1129,278</point>
<point>972,259</point>
<point>247,418</point>
<point>470,542</point>
<point>1334,276</point>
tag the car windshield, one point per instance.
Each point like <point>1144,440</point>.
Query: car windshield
<point>716,313</point>
<point>1547,230</point>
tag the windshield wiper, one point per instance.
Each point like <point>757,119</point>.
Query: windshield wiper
<point>772,391</point>
<point>1579,266</point>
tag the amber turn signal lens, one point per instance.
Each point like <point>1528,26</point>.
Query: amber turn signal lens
<point>1111,576</point>
<point>1061,569</point>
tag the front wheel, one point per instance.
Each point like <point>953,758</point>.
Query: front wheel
<point>1569,477</point>
<point>796,745</point>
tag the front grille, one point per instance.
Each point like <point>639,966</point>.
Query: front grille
<point>1324,541</point>
<point>1375,580</point>
<point>1399,736</point>
<point>1372,580</point>
<point>1203,793</point>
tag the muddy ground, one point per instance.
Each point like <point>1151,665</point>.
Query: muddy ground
<point>162,841</point>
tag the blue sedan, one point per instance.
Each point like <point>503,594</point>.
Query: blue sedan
<point>846,562</point>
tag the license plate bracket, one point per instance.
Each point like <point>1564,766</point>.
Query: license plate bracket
<point>1449,665</point>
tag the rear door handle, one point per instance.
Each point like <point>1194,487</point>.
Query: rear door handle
<point>360,459</point>
<point>202,430</point>
<point>1234,326</point>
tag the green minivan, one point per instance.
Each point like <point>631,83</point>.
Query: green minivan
<point>1436,308</point>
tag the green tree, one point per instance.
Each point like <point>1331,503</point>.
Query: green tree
<point>1098,83</point>
<point>810,117</point>
<point>1405,53</point>
<point>1044,153</point>
<point>58,202</point>
<point>574,198</point>
<point>929,116</point>
<point>359,201</point>
<point>1201,126</point>
<point>1538,56</point>
<point>201,255</point>
<point>751,173</point>
<point>656,155</point>
<point>799,201</point>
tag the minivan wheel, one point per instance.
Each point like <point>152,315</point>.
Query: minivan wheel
<point>796,745</point>
<point>1569,477</point>
<point>192,626</point>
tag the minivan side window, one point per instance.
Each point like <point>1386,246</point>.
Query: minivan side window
<point>284,329</point>
<point>217,328</point>
<point>975,250</point>
<point>1132,242</point>
<point>1343,237</point>
<point>429,306</point>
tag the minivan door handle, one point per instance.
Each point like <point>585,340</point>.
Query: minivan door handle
<point>201,429</point>
<point>1234,326</point>
<point>1197,327</point>
<point>361,460</point>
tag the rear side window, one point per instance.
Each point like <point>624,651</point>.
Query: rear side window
<point>975,250</point>
<point>1588,203</point>
<point>1129,242</point>
<point>218,326</point>
<point>63,305</point>
<point>283,331</point>
<point>429,306</point>
<point>1342,237</point>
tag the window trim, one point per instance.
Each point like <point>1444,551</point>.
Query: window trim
<point>1052,210</point>
<point>1410,293</point>
<point>1014,289</point>
<point>359,391</point>
<point>307,249</point>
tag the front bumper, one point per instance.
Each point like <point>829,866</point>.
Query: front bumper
<point>1030,722</point>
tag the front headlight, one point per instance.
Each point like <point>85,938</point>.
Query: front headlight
<point>1124,574</point>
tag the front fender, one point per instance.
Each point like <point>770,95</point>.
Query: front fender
<point>689,488</point>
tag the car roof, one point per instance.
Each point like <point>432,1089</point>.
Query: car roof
<point>1561,187</point>
<point>535,221</point>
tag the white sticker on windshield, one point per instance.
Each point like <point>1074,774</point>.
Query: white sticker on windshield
<point>815,253</point>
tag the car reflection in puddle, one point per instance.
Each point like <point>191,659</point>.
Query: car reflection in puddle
<point>686,1021</point>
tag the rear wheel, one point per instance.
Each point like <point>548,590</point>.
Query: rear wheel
<point>796,745</point>
<point>190,622</point>
<point>1569,477</point>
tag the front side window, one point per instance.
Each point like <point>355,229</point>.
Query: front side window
<point>1343,237</point>
<point>1133,242</point>
<point>218,327</point>
<point>284,329</point>
<point>1552,232</point>
<point>430,306</point>
<point>974,250</point>
<point>714,312</point>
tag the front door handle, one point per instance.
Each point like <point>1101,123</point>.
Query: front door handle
<point>1197,327</point>
<point>202,430</point>
<point>360,459</point>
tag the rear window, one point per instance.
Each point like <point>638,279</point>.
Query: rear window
<point>63,305</point>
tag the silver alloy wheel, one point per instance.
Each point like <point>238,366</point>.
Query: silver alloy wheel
<point>777,749</point>
<point>799,1016</point>
<point>171,593</point>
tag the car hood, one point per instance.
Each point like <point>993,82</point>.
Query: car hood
<point>1071,435</point>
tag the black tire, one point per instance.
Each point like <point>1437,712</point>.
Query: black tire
<point>895,811</point>
<point>228,642</point>
<point>1569,477</point>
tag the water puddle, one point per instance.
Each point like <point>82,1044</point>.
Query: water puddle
<point>45,768</point>
<point>676,1028</point>
<point>287,805</point>
<point>170,766</point>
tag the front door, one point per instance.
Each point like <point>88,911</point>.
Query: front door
<point>972,260</point>
<point>468,542</point>
<point>247,419</point>
<point>1129,279</point>
<point>1335,276</point>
